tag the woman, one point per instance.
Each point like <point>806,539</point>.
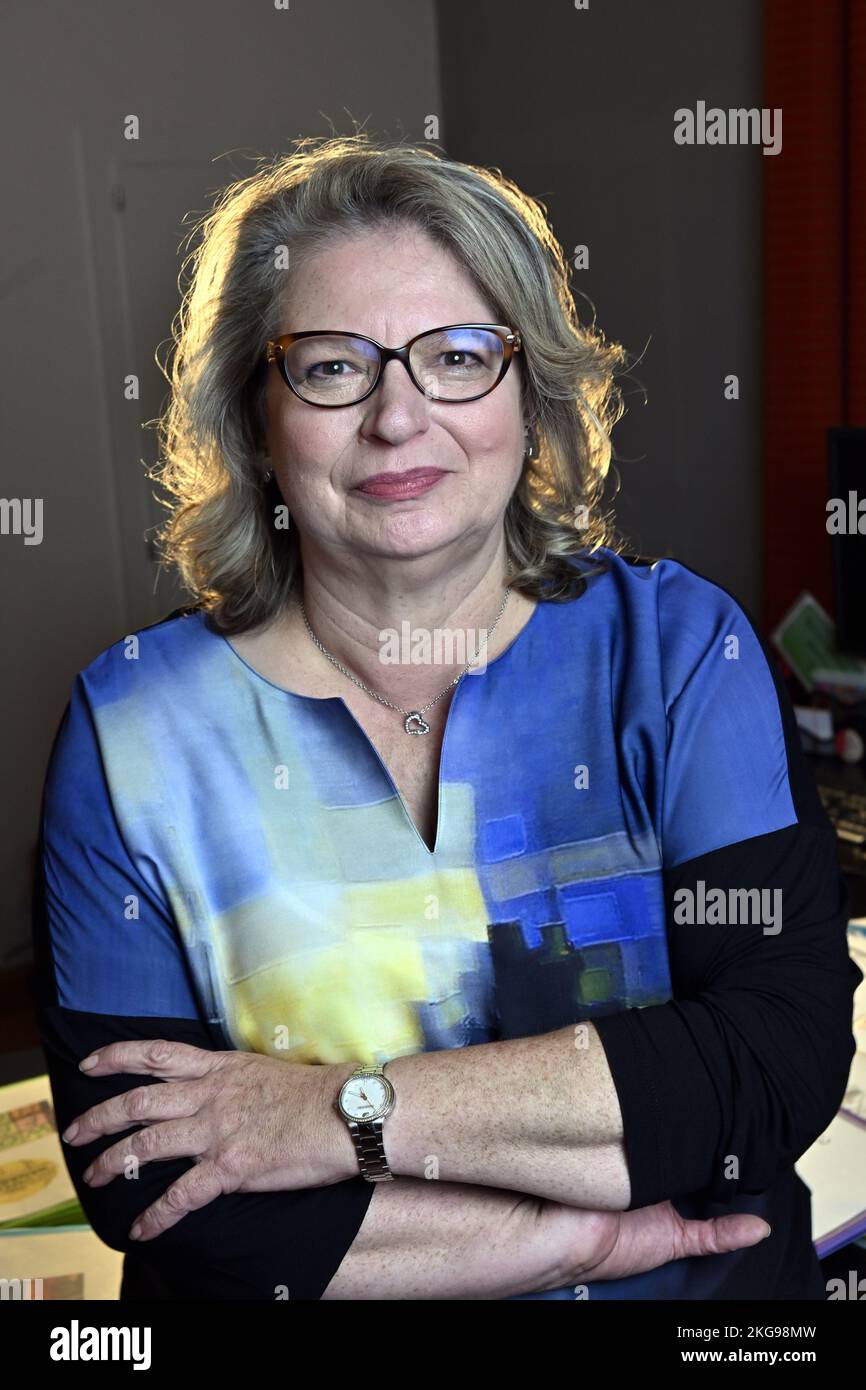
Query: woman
<point>418,783</point>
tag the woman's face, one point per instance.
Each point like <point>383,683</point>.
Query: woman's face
<point>390,286</point>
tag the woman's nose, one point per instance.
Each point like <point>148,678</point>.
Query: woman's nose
<point>397,409</point>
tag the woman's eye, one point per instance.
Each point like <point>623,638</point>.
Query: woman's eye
<point>462,353</point>
<point>329,366</point>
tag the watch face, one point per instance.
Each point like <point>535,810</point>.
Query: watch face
<point>365,1097</point>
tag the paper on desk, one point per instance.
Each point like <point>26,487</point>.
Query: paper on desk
<point>854,1101</point>
<point>834,1168</point>
<point>61,1262</point>
<point>34,1182</point>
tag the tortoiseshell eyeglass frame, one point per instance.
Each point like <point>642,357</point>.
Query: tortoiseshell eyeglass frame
<point>276,352</point>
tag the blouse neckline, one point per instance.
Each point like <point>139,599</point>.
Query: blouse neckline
<point>325,699</point>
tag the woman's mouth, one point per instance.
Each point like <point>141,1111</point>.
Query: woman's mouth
<point>412,483</point>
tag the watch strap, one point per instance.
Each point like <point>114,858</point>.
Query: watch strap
<point>370,1149</point>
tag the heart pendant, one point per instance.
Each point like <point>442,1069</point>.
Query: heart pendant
<point>420,723</point>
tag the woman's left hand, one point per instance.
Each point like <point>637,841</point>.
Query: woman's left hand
<point>250,1122</point>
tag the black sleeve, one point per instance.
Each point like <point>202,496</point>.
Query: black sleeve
<point>723,1088</point>
<point>750,1060</point>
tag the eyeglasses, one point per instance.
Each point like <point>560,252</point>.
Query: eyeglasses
<point>460,362</point>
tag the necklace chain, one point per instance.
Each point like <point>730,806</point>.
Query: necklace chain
<point>414,721</point>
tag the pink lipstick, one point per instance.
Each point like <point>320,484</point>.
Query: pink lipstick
<point>412,483</point>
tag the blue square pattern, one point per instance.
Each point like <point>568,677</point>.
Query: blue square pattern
<point>595,916</point>
<point>504,838</point>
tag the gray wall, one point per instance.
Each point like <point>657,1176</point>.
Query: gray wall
<point>91,259</point>
<point>576,106</point>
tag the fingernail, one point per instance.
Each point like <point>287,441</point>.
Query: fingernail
<point>88,1173</point>
<point>135,1232</point>
<point>88,1063</point>
<point>71,1132</point>
<point>769,1231</point>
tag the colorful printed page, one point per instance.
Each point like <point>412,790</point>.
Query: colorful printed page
<point>34,1184</point>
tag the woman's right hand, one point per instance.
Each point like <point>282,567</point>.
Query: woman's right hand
<point>615,1244</point>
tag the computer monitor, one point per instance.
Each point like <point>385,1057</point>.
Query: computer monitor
<point>846,458</point>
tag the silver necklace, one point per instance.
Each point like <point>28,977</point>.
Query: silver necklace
<point>414,721</point>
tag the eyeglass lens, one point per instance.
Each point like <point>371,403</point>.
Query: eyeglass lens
<point>453,364</point>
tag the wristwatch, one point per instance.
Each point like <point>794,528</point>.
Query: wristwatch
<point>365,1099</point>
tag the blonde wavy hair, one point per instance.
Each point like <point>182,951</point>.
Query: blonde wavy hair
<point>220,533</point>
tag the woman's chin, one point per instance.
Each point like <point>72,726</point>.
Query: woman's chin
<point>409,535</point>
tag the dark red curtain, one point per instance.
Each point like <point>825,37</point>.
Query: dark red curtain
<point>814,279</point>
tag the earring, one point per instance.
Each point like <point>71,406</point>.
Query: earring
<point>266,477</point>
<point>532,443</point>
